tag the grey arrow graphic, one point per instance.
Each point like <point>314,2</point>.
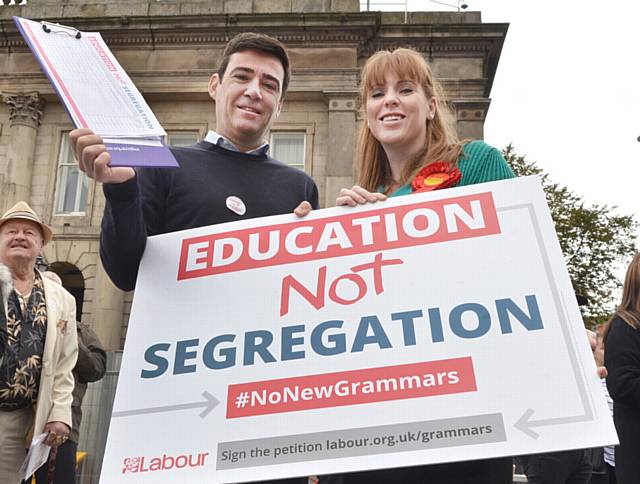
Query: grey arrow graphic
<point>525,423</point>
<point>209,403</point>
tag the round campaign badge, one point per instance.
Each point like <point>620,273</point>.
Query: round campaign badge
<point>236,205</point>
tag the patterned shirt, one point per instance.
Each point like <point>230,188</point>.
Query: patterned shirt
<point>21,366</point>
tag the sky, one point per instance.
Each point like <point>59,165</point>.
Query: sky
<point>567,92</point>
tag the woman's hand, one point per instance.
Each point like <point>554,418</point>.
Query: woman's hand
<point>357,195</point>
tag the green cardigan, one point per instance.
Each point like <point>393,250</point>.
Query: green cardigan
<point>479,163</point>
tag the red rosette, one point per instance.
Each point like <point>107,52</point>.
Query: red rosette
<point>435,176</point>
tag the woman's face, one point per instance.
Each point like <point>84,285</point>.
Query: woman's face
<point>397,112</point>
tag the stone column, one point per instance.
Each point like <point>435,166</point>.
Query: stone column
<point>471,115</point>
<point>25,116</point>
<point>342,142</point>
<point>108,305</point>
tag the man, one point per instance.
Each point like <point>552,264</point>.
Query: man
<point>90,367</point>
<point>226,177</point>
<point>40,347</point>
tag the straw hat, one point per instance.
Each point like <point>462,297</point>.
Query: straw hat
<point>23,211</point>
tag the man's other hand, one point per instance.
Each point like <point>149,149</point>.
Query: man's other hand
<point>303,209</point>
<point>93,158</point>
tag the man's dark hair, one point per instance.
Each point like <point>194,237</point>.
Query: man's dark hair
<point>260,43</point>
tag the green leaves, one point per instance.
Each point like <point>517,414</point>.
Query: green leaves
<point>595,240</point>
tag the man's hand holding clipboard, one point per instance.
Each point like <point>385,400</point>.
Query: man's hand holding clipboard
<point>94,158</point>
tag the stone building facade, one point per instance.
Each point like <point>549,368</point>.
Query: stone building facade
<point>170,48</point>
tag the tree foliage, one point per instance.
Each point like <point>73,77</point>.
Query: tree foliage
<point>595,241</point>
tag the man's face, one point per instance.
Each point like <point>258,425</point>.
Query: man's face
<point>248,98</point>
<point>20,240</point>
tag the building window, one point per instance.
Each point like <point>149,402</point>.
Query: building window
<point>182,138</point>
<point>73,185</point>
<point>289,147</point>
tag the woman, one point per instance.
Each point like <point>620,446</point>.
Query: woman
<point>408,130</point>
<point>409,144</point>
<point>622,359</point>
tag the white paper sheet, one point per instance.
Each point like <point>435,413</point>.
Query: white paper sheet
<point>100,94</point>
<point>36,457</point>
<point>97,92</point>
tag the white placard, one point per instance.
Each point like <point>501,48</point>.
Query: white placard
<point>429,328</point>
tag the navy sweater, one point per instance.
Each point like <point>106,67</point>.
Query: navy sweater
<point>164,200</point>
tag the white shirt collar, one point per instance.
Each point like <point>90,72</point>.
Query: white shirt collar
<point>216,139</point>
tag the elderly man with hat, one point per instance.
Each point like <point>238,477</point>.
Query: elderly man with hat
<point>38,344</point>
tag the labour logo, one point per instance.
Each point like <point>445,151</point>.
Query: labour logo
<point>163,462</point>
<point>131,464</point>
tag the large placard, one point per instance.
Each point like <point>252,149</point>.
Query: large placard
<point>428,328</point>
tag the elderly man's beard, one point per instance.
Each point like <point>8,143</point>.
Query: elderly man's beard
<point>6,286</point>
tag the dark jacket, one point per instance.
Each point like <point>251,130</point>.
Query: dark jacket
<point>622,359</point>
<point>91,366</point>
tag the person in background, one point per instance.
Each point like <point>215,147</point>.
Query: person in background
<point>90,367</point>
<point>39,348</point>
<point>603,459</point>
<point>609,451</point>
<point>622,359</point>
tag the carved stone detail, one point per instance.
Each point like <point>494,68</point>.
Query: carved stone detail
<point>471,110</point>
<point>341,101</point>
<point>25,109</point>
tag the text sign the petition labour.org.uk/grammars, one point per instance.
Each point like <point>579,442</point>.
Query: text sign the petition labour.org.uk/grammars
<point>429,328</point>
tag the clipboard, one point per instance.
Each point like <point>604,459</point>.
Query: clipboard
<point>97,92</point>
